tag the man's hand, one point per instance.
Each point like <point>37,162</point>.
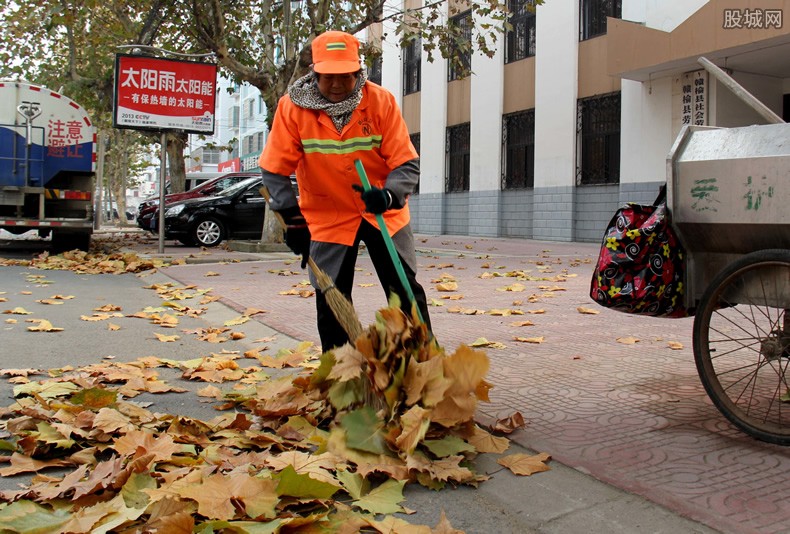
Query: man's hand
<point>377,200</point>
<point>297,234</point>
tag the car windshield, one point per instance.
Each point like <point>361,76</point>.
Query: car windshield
<point>235,188</point>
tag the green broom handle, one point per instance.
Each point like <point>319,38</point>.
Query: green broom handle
<point>388,241</point>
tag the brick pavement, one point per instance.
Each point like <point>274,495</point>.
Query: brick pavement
<point>634,415</point>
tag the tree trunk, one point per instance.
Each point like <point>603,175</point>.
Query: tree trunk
<point>175,156</point>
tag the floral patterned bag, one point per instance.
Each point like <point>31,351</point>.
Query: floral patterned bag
<point>641,266</point>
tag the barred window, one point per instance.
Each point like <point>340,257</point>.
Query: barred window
<point>518,130</point>
<point>520,41</point>
<point>412,56</point>
<point>211,155</point>
<point>594,13</point>
<point>374,71</point>
<point>415,140</point>
<point>460,64</point>
<point>457,154</point>
<point>599,131</point>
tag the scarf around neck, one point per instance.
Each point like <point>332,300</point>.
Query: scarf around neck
<point>305,94</point>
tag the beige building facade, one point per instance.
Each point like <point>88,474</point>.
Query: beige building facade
<point>576,111</point>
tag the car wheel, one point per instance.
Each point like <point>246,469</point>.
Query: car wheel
<point>209,232</point>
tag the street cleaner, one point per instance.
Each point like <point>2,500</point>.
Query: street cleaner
<point>329,119</point>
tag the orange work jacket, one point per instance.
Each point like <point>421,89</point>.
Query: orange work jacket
<point>306,141</point>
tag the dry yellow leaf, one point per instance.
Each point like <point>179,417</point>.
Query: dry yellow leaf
<point>587,311</point>
<point>18,311</point>
<point>113,327</point>
<point>627,340</point>
<point>522,323</point>
<point>211,273</point>
<point>49,301</point>
<point>43,326</point>
<point>525,464</point>
<point>536,312</point>
<point>166,339</point>
<point>513,287</point>
<point>447,286</point>
<point>210,391</point>
<point>237,321</point>
<point>675,345</point>
<point>538,339</point>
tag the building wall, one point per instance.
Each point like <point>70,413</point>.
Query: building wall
<point>563,71</point>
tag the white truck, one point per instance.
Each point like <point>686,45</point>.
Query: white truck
<point>47,165</point>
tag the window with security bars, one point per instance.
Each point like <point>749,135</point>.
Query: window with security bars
<point>593,16</point>
<point>457,153</point>
<point>599,133</point>
<point>518,130</point>
<point>374,71</point>
<point>415,140</point>
<point>520,41</point>
<point>460,64</point>
<point>412,57</point>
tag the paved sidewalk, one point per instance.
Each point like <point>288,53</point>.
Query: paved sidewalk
<point>633,416</point>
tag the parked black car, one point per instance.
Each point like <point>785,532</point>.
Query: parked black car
<point>145,212</point>
<point>236,212</point>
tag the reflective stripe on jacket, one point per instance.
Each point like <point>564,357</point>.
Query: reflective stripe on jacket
<point>306,141</point>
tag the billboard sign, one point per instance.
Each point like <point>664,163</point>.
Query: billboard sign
<point>164,94</point>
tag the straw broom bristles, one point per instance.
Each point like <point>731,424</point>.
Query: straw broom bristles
<point>342,309</point>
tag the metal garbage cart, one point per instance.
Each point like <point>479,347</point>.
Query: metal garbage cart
<point>729,192</point>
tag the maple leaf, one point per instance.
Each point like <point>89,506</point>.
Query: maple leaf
<point>302,486</point>
<point>139,442</point>
<point>383,499</point>
<point>447,286</point>
<point>43,326</point>
<point>414,425</point>
<point>47,434</point>
<point>425,381</point>
<point>166,339</point>
<point>509,424</point>
<point>20,372</point>
<point>483,441</point>
<point>448,446</point>
<point>24,464</point>
<point>20,515</point>
<point>241,319</point>
<point>18,311</point>
<point>674,345</point>
<point>465,369</point>
<point>214,496</point>
<point>444,526</point>
<point>318,466</point>
<point>109,420</point>
<point>210,391</point>
<point>94,398</point>
<point>587,311</point>
<point>536,340</point>
<point>525,464</point>
<point>630,340</point>
<point>348,365</point>
<point>50,302</point>
<point>522,323</point>
<point>364,430</point>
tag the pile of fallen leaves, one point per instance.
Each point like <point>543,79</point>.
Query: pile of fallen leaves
<point>89,262</point>
<point>330,448</point>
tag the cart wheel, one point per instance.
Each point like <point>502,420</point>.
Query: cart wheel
<point>742,344</point>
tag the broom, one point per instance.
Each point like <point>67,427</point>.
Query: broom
<point>342,309</point>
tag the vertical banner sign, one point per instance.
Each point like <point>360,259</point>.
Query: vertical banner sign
<point>694,96</point>
<point>164,94</point>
